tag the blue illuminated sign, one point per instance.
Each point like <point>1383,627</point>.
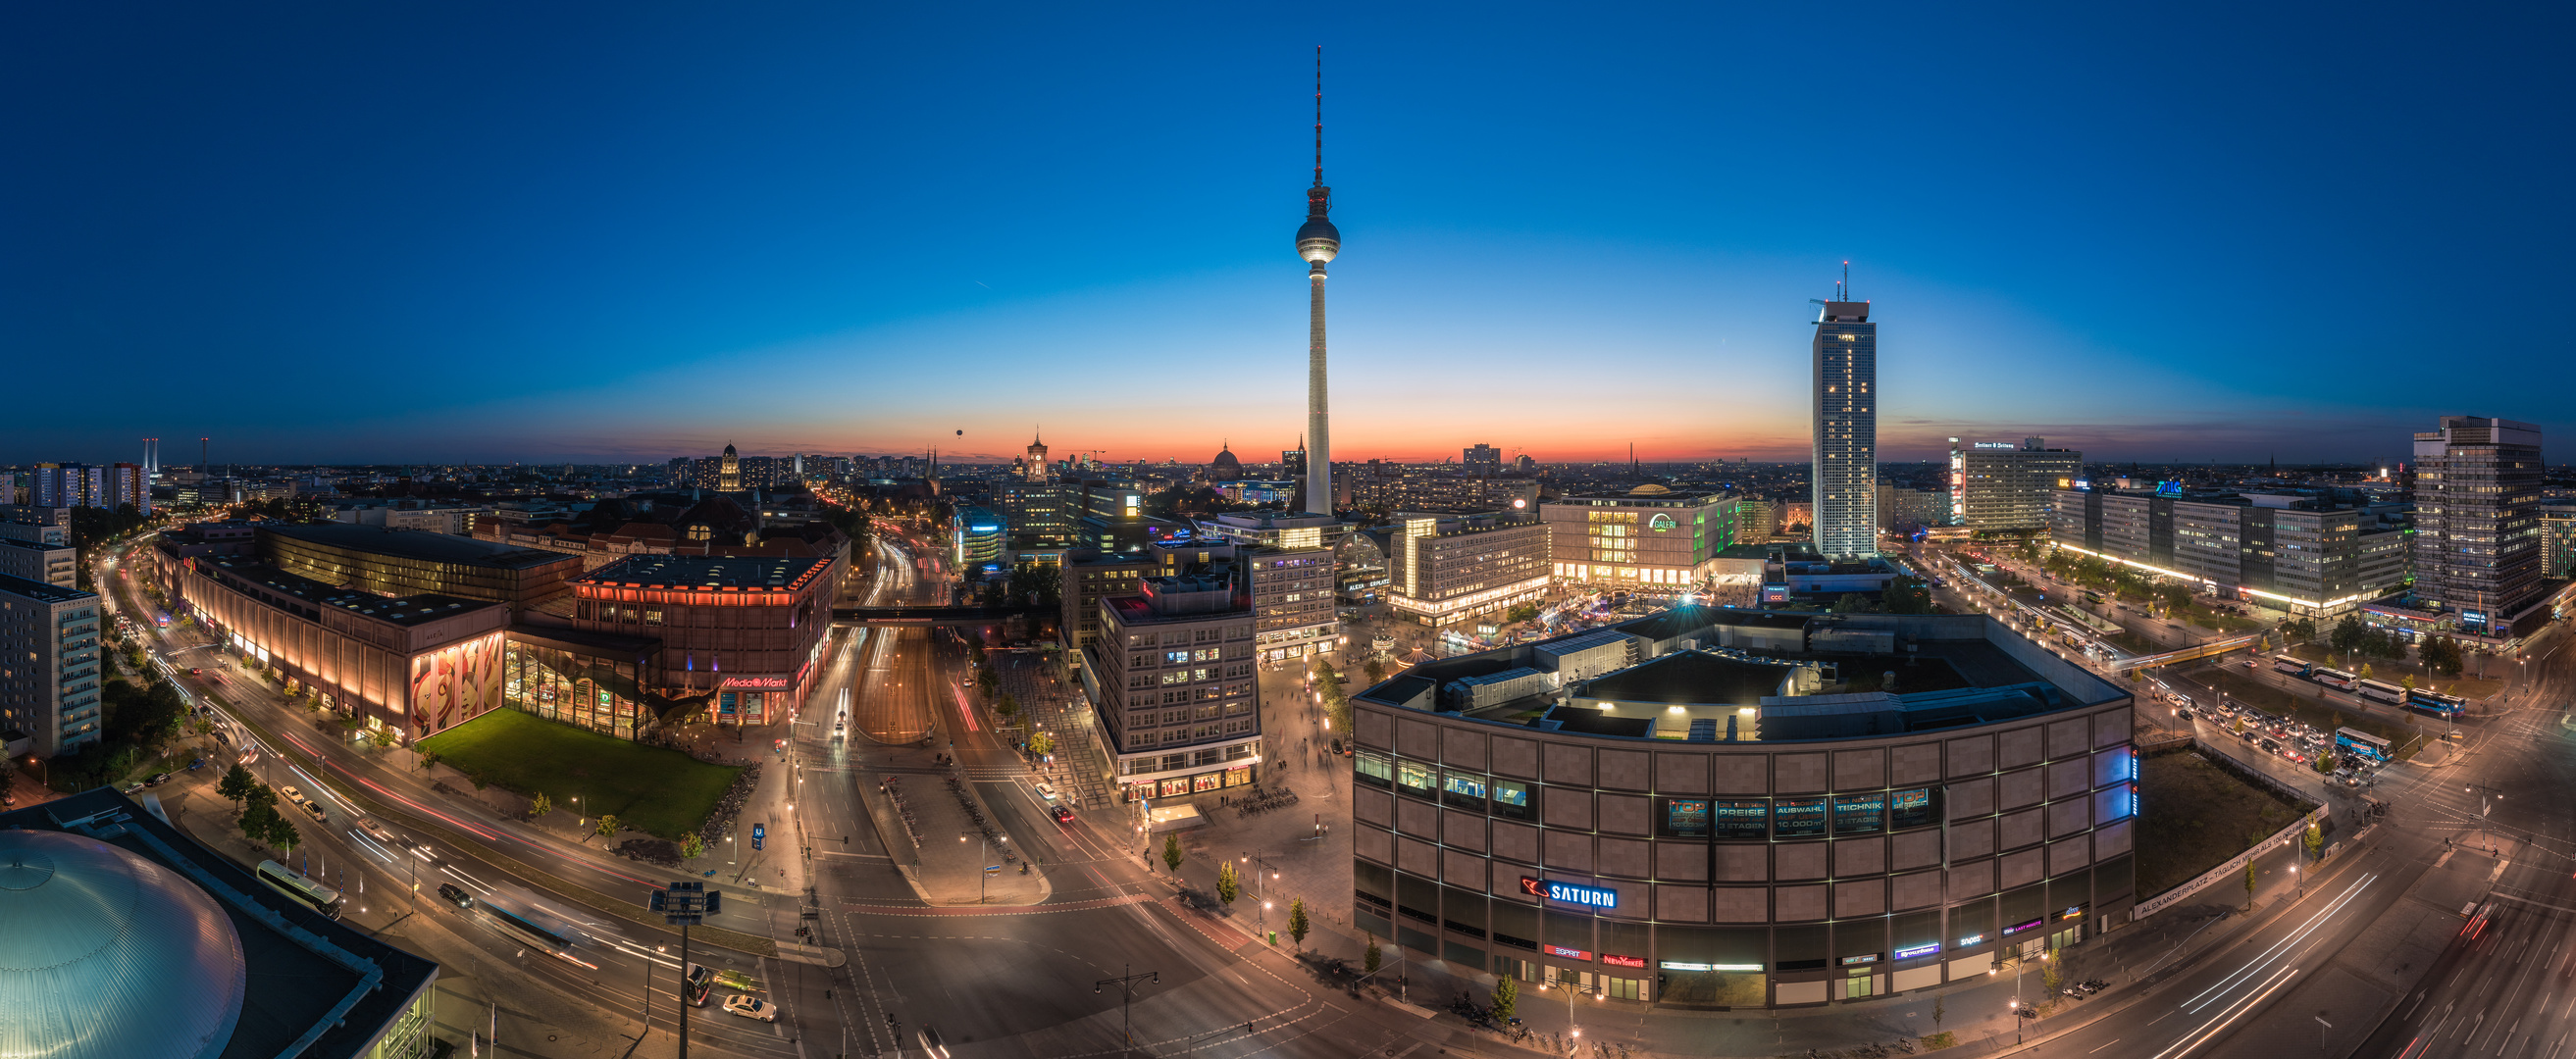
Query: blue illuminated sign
<point>758,832</point>
<point>1919,950</point>
<point>1588,896</point>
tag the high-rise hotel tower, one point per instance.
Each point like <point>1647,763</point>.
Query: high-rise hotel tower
<point>1846,474</point>
<point>2477,520</point>
<point>1317,242</point>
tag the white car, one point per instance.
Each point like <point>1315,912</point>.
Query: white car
<point>1046,791</point>
<point>751,1008</point>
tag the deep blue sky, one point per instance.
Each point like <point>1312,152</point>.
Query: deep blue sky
<point>458,232</point>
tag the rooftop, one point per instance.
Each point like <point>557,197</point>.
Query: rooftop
<point>426,547</point>
<point>397,610</point>
<point>42,592</point>
<point>1837,677</point>
<point>740,573</point>
<point>125,939</point>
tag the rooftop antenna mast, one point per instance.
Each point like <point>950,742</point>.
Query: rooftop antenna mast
<point>1319,115</point>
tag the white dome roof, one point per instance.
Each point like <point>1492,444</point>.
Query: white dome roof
<point>106,955</point>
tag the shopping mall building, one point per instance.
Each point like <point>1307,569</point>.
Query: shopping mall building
<point>1717,807</point>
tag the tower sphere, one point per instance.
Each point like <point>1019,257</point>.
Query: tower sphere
<point>1317,239</point>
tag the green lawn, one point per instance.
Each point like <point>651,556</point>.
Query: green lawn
<point>2193,815</point>
<point>662,792</point>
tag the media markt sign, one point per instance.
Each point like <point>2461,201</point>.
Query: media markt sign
<point>1587,896</point>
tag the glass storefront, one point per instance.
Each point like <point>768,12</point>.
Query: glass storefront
<point>578,689</point>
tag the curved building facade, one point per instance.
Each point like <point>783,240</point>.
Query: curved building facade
<point>1711,807</point>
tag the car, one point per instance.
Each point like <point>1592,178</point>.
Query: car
<point>456,895</point>
<point>751,1007</point>
<point>1046,790</point>
<point>932,1045</point>
<point>158,778</point>
<point>134,788</point>
<point>193,671</point>
<point>375,831</point>
<point>1062,814</point>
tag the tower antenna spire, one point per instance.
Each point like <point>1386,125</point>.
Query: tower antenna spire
<point>1319,115</point>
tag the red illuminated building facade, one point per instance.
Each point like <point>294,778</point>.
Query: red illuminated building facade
<point>747,631</point>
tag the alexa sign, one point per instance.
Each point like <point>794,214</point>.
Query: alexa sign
<point>1588,896</point>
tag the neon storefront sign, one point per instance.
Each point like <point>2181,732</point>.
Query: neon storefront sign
<point>1587,896</point>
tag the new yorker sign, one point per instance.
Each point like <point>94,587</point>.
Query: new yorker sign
<point>1588,896</point>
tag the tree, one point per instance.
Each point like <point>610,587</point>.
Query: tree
<point>1507,996</point>
<point>2250,875</point>
<point>282,833</point>
<point>2315,840</point>
<point>1297,922</point>
<point>985,679</point>
<point>2348,634</point>
<point>259,817</point>
<point>1009,707</point>
<point>1850,603</point>
<point>2407,682</point>
<point>1907,594</point>
<point>1042,744</point>
<point>540,805</point>
<point>1370,959</point>
<point>2177,597</point>
<point>1172,852</point>
<point>2365,671</point>
<point>2049,975</point>
<point>236,785</point>
<point>1939,1011</point>
<point>692,847</point>
<point>2324,764</point>
<point>607,825</point>
<point>1228,885</point>
<point>1376,671</point>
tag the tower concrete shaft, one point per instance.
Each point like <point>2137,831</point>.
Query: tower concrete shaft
<point>1319,442</point>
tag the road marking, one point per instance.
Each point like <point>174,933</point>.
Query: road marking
<point>2115,1041</point>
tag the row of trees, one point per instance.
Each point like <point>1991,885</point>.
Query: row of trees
<point>259,819</point>
<point>1907,594</point>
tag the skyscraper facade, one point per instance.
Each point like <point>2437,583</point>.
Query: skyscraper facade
<point>1846,426</point>
<point>2000,485</point>
<point>2477,519</point>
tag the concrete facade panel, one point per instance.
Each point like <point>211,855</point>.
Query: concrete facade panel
<point>1624,814</point>
<point>1568,764</point>
<point>1516,842</point>
<point>1914,849</point>
<point>1914,763</point>
<point>1626,857</point>
<point>1859,856</point>
<point>1681,862</point>
<point>1860,770</point>
<point>1919,890</point>
<point>1567,807</point>
<point>1463,747</point>
<point>1681,773</point>
<point>2019,829</point>
<point>1626,770</point>
<point>1742,773</point>
<point>1517,758</point>
<point>1972,755</point>
<point>2017,747</point>
<point>1419,740</point>
<point>1373,845</point>
<point>1463,830</point>
<point>1799,860</point>
<point>2069,738</point>
<point>1417,818</point>
<point>2017,869</point>
<point>1371,806</point>
<point>1737,863</point>
<point>2019,788</point>
<point>1791,904</point>
<point>1569,850</point>
<point>1801,773</point>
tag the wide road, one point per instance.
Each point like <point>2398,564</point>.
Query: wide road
<point>1020,980</point>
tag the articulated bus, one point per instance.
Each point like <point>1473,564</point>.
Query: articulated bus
<point>2361,744</point>
<point>305,892</point>
<point>2297,667</point>
<point>2335,678</point>
<point>536,936</point>
<point>2376,691</point>
<point>2436,703</point>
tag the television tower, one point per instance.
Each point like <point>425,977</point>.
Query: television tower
<point>1317,242</point>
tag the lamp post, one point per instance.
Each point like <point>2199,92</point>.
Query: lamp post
<point>685,904</point>
<point>1126,984</point>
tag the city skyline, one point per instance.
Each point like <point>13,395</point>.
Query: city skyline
<point>585,255</point>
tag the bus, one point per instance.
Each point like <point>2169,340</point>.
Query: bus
<point>2361,744</point>
<point>2335,678</point>
<point>2294,666</point>
<point>305,892</point>
<point>2436,703</point>
<point>698,984</point>
<point>2376,691</point>
<point>2091,596</point>
<point>536,936</point>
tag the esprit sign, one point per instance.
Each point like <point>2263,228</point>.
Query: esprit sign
<point>1588,896</point>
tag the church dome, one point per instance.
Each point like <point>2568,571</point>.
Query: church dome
<point>1225,463</point>
<point>106,955</point>
<point>728,448</point>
